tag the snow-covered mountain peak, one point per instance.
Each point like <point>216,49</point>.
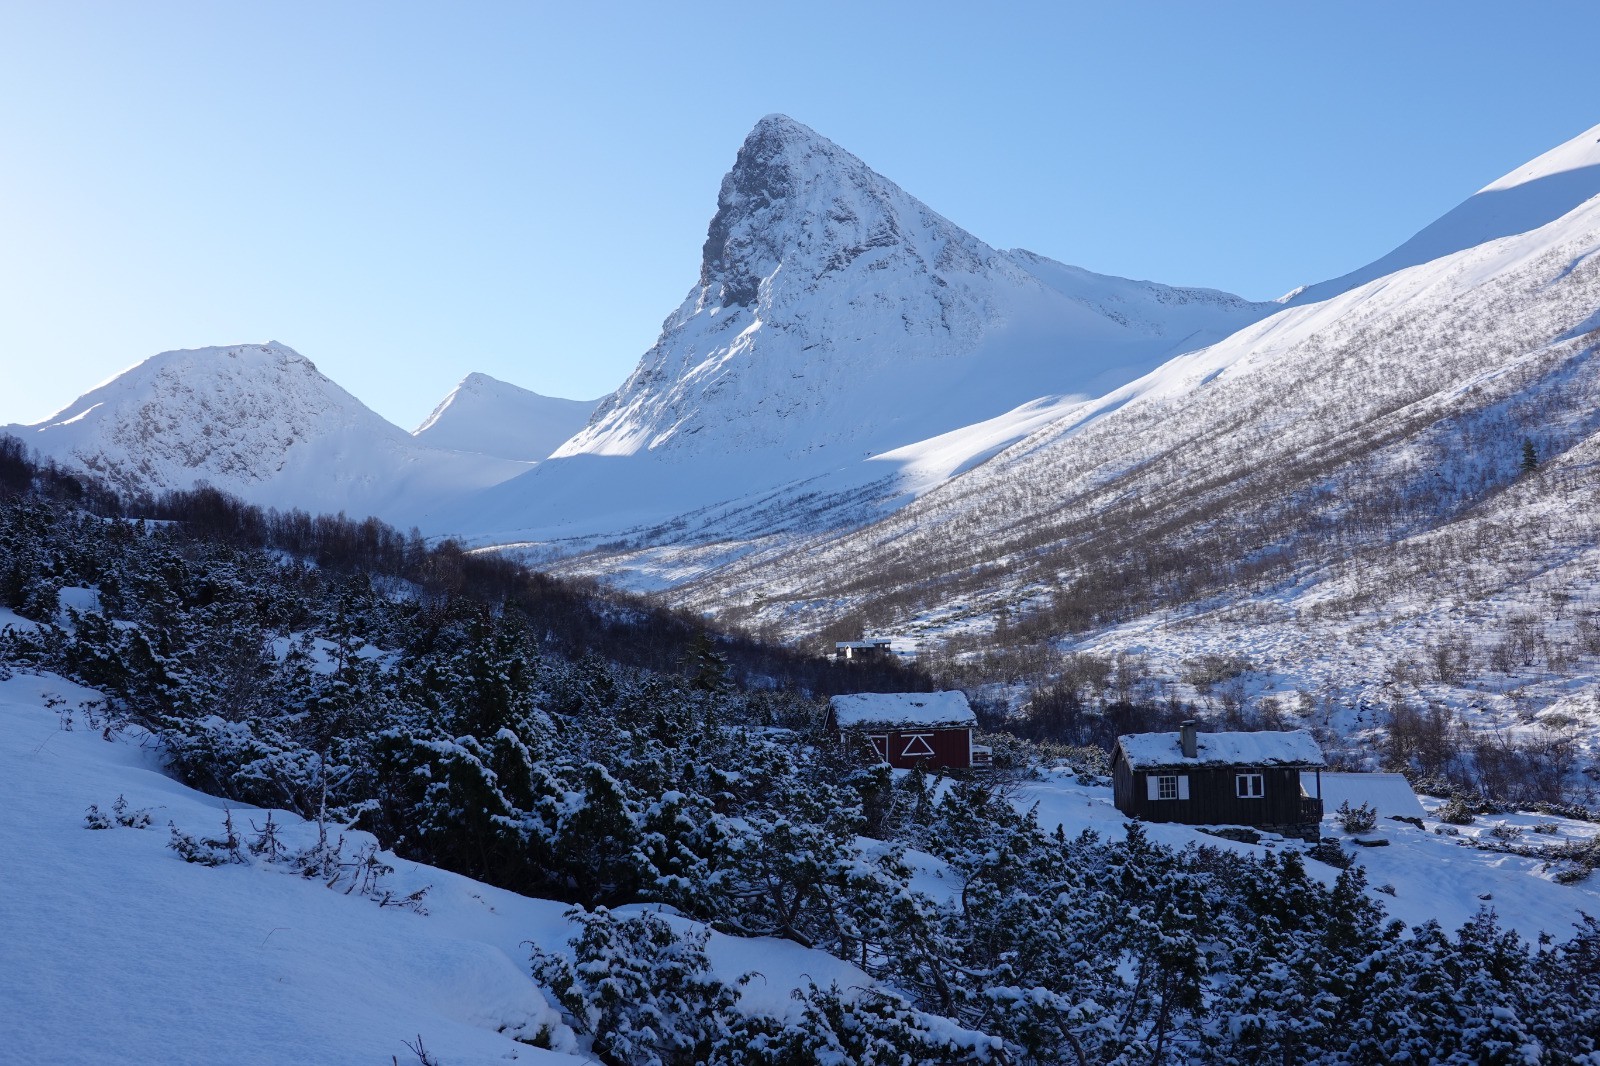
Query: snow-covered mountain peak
<point>211,407</point>
<point>836,320</point>
<point>478,381</point>
<point>475,384</point>
<point>836,315</point>
<point>797,200</point>
<point>492,417</point>
<point>259,421</point>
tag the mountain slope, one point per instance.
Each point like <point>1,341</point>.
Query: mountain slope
<point>1330,492</point>
<point>836,318</point>
<point>252,963</point>
<point>1534,194</point>
<point>496,418</point>
<point>261,422</point>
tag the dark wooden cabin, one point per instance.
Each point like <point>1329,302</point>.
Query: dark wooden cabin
<point>905,729</point>
<point>868,649</point>
<point>1251,779</point>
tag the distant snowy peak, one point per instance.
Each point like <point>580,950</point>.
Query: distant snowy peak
<point>1533,195</point>
<point>229,412</point>
<point>483,414</point>
<point>258,421</point>
<point>835,311</point>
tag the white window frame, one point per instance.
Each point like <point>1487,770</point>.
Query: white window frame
<point>1249,786</point>
<point>923,752</point>
<point>1179,789</point>
<point>880,744</point>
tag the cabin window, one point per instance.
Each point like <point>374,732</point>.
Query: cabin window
<point>1168,786</point>
<point>1249,786</point>
<point>917,746</point>
<point>880,744</point>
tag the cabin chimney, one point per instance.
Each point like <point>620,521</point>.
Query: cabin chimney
<point>1186,737</point>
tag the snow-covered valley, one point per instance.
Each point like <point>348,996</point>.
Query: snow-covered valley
<point>1098,505</point>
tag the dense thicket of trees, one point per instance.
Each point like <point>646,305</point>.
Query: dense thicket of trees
<point>544,737</point>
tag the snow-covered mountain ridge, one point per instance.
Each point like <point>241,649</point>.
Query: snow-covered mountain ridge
<point>261,422</point>
<point>1533,195</point>
<point>1334,494</point>
<point>835,319</point>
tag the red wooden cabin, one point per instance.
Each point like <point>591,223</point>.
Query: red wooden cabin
<point>905,729</point>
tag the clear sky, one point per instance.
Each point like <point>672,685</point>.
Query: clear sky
<point>407,193</point>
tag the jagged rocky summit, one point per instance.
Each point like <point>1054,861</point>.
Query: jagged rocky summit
<point>835,311</point>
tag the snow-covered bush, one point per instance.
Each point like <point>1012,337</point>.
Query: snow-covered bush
<point>1362,819</point>
<point>95,818</point>
<point>207,851</point>
<point>645,995</point>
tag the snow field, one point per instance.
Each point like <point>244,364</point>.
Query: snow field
<point>113,949</point>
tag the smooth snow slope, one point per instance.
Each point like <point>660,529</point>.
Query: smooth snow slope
<point>837,318</point>
<point>1534,194</point>
<point>114,950</point>
<point>489,416</point>
<point>260,422</point>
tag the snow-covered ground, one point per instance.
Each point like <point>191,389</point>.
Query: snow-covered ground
<point>113,949</point>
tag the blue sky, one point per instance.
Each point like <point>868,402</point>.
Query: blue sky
<point>410,192</point>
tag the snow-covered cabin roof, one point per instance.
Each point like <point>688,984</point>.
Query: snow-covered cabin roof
<point>1266,748</point>
<point>870,642</point>
<point>895,710</point>
<point>1389,794</point>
